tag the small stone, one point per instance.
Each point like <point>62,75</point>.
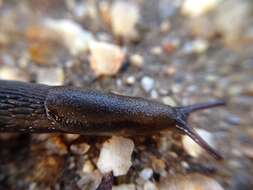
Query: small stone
<point>237,13</point>
<point>154,94</point>
<point>50,76</point>
<point>211,78</point>
<point>79,149</point>
<point>89,180</point>
<point>165,26</point>
<point>12,73</point>
<point>169,47</point>
<point>147,83</point>
<point>124,187</point>
<point>196,8</point>
<point>157,50</point>
<point>158,165</point>
<point>150,186</point>
<point>169,101</point>
<point>192,148</point>
<point>146,173</point>
<point>56,145</point>
<point>170,71</point>
<point>136,60</point>
<point>75,38</point>
<point>197,46</point>
<point>116,156</point>
<point>130,80</point>
<point>71,137</point>
<point>233,119</point>
<point>190,182</point>
<point>124,17</point>
<point>105,59</point>
<point>88,167</point>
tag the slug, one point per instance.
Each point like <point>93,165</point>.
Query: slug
<point>37,108</point>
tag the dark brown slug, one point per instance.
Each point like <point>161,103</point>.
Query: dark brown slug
<point>36,108</point>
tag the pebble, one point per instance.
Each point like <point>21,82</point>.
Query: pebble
<point>89,181</point>
<point>71,137</point>
<point>193,148</point>
<point>136,60</point>
<point>233,119</point>
<point>147,83</point>
<point>197,46</point>
<point>237,13</point>
<point>150,186</point>
<point>75,38</point>
<point>124,17</point>
<point>165,26</point>
<point>105,58</point>
<point>169,101</point>
<point>50,76</point>
<point>146,173</point>
<point>156,50</point>
<point>88,167</point>
<point>154,94</point>
<point>190,182</point>
<point>79,149</point>
<point>12,73</point>
<point>130,80</point>
<point>56,145</point>
<point>124,187</point>
<point>194,8</point>
<point>115,156</point>
<point>170,70</point>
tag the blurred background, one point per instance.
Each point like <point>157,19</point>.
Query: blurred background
<point>177,52</point>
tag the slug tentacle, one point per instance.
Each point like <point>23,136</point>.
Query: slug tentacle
<point>186,110</point>
<point>188,130</point>
<point>181,123</point>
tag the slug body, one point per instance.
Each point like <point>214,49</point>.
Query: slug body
<point>36,108</point>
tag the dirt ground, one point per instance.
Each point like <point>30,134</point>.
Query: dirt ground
<point>187,60</point>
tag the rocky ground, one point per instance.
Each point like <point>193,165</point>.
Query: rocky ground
<point>173,51</point>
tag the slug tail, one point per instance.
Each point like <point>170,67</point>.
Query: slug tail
<point>188,130</point>
<point>186,110</point>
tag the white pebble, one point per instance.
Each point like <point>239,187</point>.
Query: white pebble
<point>197,46</point>
<point>136,60</point>
<point>79,149</point>
<point>75,38</point>
<point>169,101</point>
<point>157,50</point>
<point>124,187</point>
<point>130,80</point>
<point>116,156</point>
<point>146,173</point>
<point>88,167</point>
<point>12,73</point>
<point>149,186</point>
<point>154,94</point>
<point>147,83</point>
<point>195,8</point>
<point>192,148</point>
<point>124,17</point>
<point>105,59</point>
<point>50,76</point>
